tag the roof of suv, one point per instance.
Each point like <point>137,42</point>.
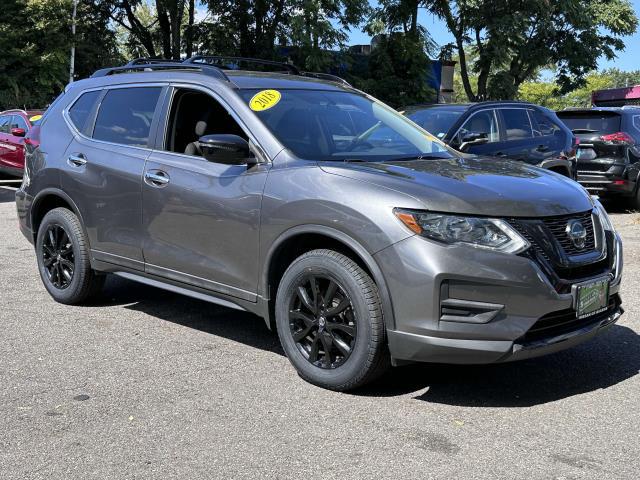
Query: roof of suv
<point>288,75</point>
<point>471,105</point>
<point>626,108</point>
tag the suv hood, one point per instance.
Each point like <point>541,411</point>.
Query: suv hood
<point>473,185</point>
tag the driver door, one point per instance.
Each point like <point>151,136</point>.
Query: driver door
<point>201,219</point>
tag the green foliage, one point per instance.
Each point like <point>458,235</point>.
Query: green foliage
<point>548,95</point>
<point>512,40</point>
<point>35,42</point>
<point>397,73</point>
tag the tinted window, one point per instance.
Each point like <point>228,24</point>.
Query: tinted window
<point>18,122</point>
<point>333,125</point>
<point>591,121</point>
<point>4,123</point>
<point>516,123</point>
<point>437,121</point>
<point>543,124</point>
<point>125,116</point>
<point>483,122</point>
<point>79,112</point>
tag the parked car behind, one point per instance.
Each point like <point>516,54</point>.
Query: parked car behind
<point>609,149</point>
<point>362,239</point>
<point>514,130</point>
<point>14,126</point>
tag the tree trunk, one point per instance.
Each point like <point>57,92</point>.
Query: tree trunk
<point>189,32</point>
<point>165,28</point>
<point>137,29</point>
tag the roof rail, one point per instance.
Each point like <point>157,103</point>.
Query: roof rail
<point>153,67</point>
<point>147,61</point>
<point>326,76</point>
<point>212,59</point>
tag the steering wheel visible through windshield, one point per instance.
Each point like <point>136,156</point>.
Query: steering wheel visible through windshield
<point>339,126</point>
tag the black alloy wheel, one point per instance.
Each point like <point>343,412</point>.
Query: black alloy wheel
<point>322,321</point>
<point>58,257</point>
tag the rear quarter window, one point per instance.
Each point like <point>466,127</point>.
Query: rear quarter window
<point>80,110</point>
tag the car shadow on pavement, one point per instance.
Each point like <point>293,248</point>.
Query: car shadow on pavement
<point>608,359</point>
<point>235,325</point>
<point>605,361</point>
<point>7,195</point>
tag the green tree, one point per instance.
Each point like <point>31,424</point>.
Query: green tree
<point>514,39</point>
<point>34,65</point>
<point>548,94</point>
<point>398,71</point>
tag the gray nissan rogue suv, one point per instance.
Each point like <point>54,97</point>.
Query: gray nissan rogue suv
<point>365,241</point>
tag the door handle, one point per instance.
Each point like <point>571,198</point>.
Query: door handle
<point>76,160</point>
<point>542,148</point>
<point>501,154</point>
<point>157,178</point>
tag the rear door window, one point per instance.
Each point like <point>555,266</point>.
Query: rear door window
<point>516,124</point>
<point>600,122</point>
<point>80,110</point>
<point>126,114</point>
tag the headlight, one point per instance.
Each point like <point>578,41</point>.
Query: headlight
<point>603,215</point>
<point>489,233</point>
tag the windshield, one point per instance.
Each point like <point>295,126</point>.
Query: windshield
<point>437,121</point>
<point>333,125</point>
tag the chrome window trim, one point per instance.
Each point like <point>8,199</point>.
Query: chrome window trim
<point>77,133</point>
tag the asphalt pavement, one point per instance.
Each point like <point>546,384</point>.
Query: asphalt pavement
<point>148,384</point>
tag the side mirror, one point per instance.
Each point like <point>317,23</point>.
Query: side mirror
<point>228,149</point>
<point>473,138</point>
<point>18,132</point>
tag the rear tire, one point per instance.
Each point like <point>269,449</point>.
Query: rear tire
<point>330,323</point>
<point>63,259</point>
<point>634,202</point>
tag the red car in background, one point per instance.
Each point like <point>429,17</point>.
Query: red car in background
<point>14,126</point>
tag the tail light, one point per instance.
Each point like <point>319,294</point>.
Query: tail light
<point>33,137</point>
<point>618,138</point>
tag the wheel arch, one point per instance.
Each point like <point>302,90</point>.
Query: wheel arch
<point>47,200</point>
<point>298,240</point>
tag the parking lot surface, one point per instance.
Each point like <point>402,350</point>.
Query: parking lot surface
<point>148,384</point>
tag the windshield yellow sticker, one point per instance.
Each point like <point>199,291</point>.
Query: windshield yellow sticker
<point>264,100</point>
<point>35,118</point>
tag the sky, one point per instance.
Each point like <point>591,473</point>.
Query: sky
<point>629,59</point>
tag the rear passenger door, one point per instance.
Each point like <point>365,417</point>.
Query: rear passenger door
<point>517,133</point>
<point>104,164</point>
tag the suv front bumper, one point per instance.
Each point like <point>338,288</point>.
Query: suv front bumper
<point>456,304</point>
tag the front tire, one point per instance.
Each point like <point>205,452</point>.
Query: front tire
<point>63,258</point>
<point>330,323</point>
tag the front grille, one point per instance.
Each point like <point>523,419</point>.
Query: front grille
<point>565,321</point>
<point>555,253</point>
<point>558,227</point>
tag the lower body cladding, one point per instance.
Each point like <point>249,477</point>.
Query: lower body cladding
<point>458,304</point>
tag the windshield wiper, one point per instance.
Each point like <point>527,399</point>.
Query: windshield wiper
<point>424,156</point>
